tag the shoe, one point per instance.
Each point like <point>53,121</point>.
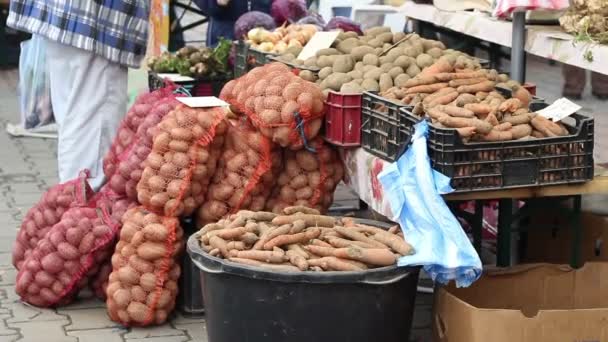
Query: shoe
<point>572,96</point>
<point>599,96</point>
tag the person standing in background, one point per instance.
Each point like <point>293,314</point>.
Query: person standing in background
<point>575,80</point>
<point>89,45</point>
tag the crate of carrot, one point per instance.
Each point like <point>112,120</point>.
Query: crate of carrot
<point>484,140</point>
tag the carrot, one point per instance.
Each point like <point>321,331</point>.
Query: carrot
<point>520,131</point>
<point>281,240</point>
<point>214,252</point>
<point>340,243</point>
<point>522,95</point>
<point>537,134</point>
<point>466,132</point>
<point>546,126</point>
<point>438,93</point>
<point>427,88</point>
<point>396,243</point>
<point>256,215</point>
<point>510,105</point>
<point>420,80</point>
<point>264,237</point>
<point>210,227</point>
<point>228,233</point>
<point>357,236</point>
<point>331,263</point>
<point>443,100</point>
<point>491,119</point>
<point>495,135</point>
<point>371,256</point>
<point>518,120</point>
<point>300,209</point>
<point>296,248</point>
<point>249,238</point>
<point>297,259</point>
<point>310,220</point>
<point>394,229</point>
<point>481,95</point>
<point>478,108</point>
<point>435,113</point>
<point>238,245</point>
<point>464,99</point>
<point>237,222</point>
<point>456,111</point>
<point>481,127</point>
<point>465,81</point>
<point>445,77</point>
<point>473,88</point>
<point>326,232</point>
<point>442,65</point>
<point>348,222</point>
<point>521,111</point>
<point>219,243</point>
<point>275,256</point>
<point>320,243</point>
<point>273,267</point>
<point>505,126</point>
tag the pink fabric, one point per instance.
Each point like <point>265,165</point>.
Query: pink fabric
<point>506,7</point>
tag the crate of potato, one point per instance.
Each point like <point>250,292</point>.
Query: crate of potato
<point>485,141</point>
<point>254,264</point>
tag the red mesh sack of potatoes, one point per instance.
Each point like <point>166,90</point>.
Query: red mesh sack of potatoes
<point>145,269</point>
<point>47,212</point>
<point>286,108</point>
<point>127,129</point>
<point>246,172</point>
<point>308,179</point>
<point>67,258</point>
<point>130,163</point>
<point>183,159</point>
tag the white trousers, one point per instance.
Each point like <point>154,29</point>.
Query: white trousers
<point>89,97</point>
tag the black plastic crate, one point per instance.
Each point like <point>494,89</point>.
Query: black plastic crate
<point>195,87</point>
<point>513,164</point>
<point>299,67</point>
<point>382,130</point>
<point>189,298</point>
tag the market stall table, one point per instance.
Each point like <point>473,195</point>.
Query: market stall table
<point>362,169</point>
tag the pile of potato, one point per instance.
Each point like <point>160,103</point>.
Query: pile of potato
<point>308,179</point>
<point>46,213</point>
<point>300,239</point>
<point>66,258</point>
<point>468,101</point>
<point>281,105</point>
<point>373,62</point>
<point>143,284</point>
<point>246,172</point>
<point>183,160</point>
<point>283,39</point>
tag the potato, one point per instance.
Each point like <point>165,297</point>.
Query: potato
<point>359,66</point>
<point>403,62</point>
<point>373,74</point>
<point>397,36</point>
<point>355,74</point>
<point>401,79</point>
<point>360,51</point>
<point>413,70</point>
<point>352,87</point>
<point>386,37</point>
<point>347,45</point>
<point>386,67</point>
<point>307,75</point>
<point>375,43</point>
<point>395,71</point>
<point>327,52</point>
<point>370,84</point>
<point>370,59</point>
<point>424,60</point>
<point>336,80</point>
<point>325,61</point>
<point>311,61</point>
<point>151,251</point>
<point>376,30</point>
<point>323,73</point>
<point>434,52</point>
<point>386,82</point>
<point>343,64</point>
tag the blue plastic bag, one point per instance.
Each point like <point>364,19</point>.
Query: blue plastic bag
<point>34,84</point>
<point>414,190</point>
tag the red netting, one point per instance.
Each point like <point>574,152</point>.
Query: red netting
<point>308,179</point>
<point>245,174</point>
<point>145,269</point>
<point>130,163</point>
<point>130,123</point>
<point>47,212</point>
<point>286,108</point>
<point>68,256</point>
<point>183,160</point>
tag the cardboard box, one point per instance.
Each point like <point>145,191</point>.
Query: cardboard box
<point>527,303</point>
<point>553,241</point>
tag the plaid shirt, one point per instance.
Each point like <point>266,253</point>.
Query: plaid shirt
<point>114,29</point>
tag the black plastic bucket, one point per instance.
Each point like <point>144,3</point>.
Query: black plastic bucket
<point>245,303</point>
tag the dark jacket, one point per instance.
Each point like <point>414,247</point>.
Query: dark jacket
<point>234,10</point>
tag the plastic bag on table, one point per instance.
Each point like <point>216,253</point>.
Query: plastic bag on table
<point>143,284</point>
<point>47,212</point>
<point>284,107</point>
<point>245,175</point>
<point>34,84</point>
<point>308,178</point>
<point>414,190</point>
<point>183,160</point>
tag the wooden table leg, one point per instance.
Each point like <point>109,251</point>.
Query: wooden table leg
<point>576,226</point>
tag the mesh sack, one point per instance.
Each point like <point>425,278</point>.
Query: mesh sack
<point>145,269</point>
<point>130,163</point>
<point>183,160</point>
<point>245,175</point>
<point>129,125</point>
<point>68,256</point>
<point>47,212</point>
<point>286,108</point>
<point>308,179</point>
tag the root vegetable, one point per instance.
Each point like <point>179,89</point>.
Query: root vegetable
<point>495,135</point>
<point>456,111</point>
<point>510,105</point>
<point>480,109</point>
<point>331,263</point>
<point>275,256</point>
<point>320,243</point>
<point>520,131</point>
<point>546,126</point>
<point>310,220</point>
<point>372,256</point>
<point>505,126</point>
<point>274,267</point>
<point>357,236</point>
<point>481,127</point>
<point>281,240</point>
<point>297,259</point>
<point>338,242</point>
<point>427,88</point>
<point>473,88</point>
<point>395,242</point>
<point>300,209</point>
<point>465,81</point>
<point>443,100</point>
<point>519,119</point>
<point>441,66</point>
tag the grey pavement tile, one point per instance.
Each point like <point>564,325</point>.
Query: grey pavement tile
<point>7,277</point>
<point>85,303</point>
<point>26,188</point>
<point>182,338</point>
<point>48,331</point>
<point>8,295</point>
<point>6,243</point>
<point>5,260</point>
<point>4,329</point>
<point>11,338</point>
<point>95,318</point>
<point>179,318</point>
<point>98,335</point>
<point>196,331</point>
<point>158,331</point>
<point>26,313</point>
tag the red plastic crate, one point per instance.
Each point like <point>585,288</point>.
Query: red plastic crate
<point>343,119</point>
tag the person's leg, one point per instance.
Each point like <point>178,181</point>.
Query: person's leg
<point>574,81</point>
<point>89,97</point>
<point>599,85</point>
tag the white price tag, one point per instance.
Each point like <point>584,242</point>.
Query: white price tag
<point>320,40</point>
<point>176,77</point>
<point>560,109</point>
<point>202,101</point>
